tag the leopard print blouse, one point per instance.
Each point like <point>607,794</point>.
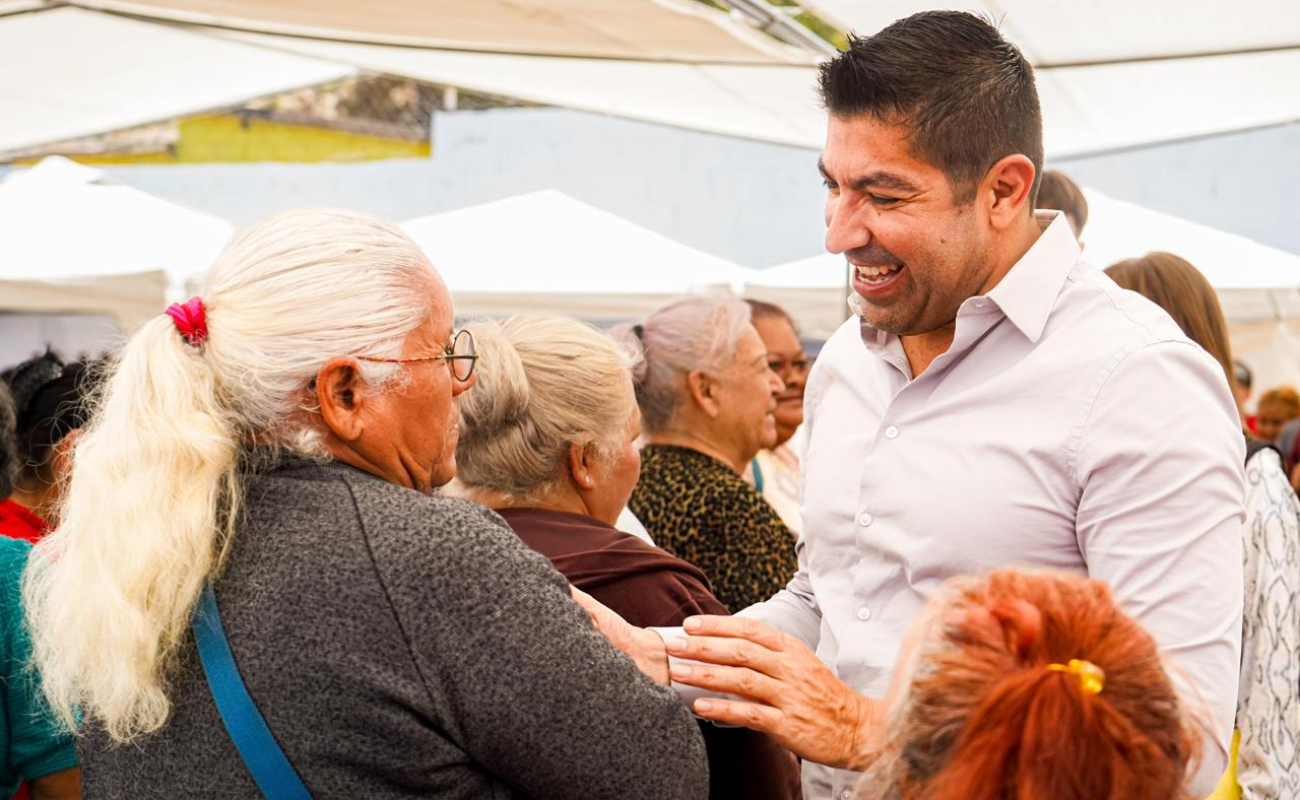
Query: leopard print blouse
<point>698,509</point>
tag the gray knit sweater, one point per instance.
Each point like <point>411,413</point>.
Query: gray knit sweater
<point>405,646</point>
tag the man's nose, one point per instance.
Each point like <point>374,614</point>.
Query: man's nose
<point>845,228</point>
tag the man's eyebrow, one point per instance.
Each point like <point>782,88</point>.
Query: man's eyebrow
<point>879,179</point>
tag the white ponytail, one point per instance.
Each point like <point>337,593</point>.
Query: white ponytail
<point>155,490</point>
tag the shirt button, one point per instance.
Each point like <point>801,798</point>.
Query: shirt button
<point>865,520</point>
<point>864,613</point>
<point>891,432</point>
<point>847,794</point>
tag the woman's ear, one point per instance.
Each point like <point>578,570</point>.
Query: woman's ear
<point>704,391</point>
<point>340,394</point>
<point>580,466</point>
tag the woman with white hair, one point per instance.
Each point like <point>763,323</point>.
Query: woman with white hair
<point>248,565</point>
<point>707,398</point>
<point>548,440</point>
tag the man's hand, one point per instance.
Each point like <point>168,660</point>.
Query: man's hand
<point>788,692</point>
<point>644,647</point>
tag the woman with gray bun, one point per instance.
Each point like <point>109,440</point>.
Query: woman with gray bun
<point>257,478</point>
<point>548,440</point>
<point>707,399</point>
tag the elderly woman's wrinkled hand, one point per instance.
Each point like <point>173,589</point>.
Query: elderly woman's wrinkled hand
<point>785,690</point>
<point>644,647</point>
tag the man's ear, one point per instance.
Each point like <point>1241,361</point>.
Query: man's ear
<point>340,394</point>
<point>1006,189</point>
<point>704,391</point>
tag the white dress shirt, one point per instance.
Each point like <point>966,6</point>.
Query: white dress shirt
<point>1070,426</point>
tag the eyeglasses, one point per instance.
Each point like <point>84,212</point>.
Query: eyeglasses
<point>459,355</point>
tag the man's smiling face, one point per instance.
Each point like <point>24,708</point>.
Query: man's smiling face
<point>916,252</point>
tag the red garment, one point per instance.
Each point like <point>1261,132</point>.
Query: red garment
<point>17,522</point>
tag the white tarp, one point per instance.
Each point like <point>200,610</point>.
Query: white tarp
<point>70,72</point>
<point>770,103</point>
<point>66,72</point>
<point>546,251</point>
<point>1055,32</point>
<point>1085,109</point>
<point>73,241</point>
<point>648,30</point>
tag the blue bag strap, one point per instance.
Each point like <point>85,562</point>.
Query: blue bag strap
<point>757,471</point>
<point>274,775</point>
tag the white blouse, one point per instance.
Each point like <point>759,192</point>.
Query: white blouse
<point>1268,709</point>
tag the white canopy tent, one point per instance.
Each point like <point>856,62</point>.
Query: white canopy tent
<point>73,241</point>
<point>775,103</point>
<point>67,72</point>
<point>1258,285</point>
<point>1055,33</point>
<point>546,251</point>
<point>88,72</point>
<point>1085,109</point>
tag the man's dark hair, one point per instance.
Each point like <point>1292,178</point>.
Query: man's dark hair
<point>966,94</point>
<point>1057,191</point>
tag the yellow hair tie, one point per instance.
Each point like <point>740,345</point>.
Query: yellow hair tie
<point>1091,677</point>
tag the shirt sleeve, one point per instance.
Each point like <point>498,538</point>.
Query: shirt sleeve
<point>1268,758</point>
<point>1159,464</point>
<point>514,667</point>
<point>37,746</point>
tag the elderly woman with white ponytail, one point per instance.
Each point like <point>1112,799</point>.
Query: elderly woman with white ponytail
<point>251,586</point>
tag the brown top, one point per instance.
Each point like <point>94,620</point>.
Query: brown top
<point>697,508</point>
<point>645,585</point>
<point>648,587</point>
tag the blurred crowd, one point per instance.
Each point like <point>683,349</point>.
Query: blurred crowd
<point>1013,534</point>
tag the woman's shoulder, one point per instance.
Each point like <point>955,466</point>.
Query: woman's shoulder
<point>683,473</point>
<point>383,505</point>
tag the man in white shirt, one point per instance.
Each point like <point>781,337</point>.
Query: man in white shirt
<point>993,402</point>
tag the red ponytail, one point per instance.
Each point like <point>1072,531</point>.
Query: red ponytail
<point>987,720</point>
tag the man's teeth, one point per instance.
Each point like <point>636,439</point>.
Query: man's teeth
<point>877,272</point>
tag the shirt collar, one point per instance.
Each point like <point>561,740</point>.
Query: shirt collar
<point>1027,294</point>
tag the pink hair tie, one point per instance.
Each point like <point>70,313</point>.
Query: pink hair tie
<point>190,320</point>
